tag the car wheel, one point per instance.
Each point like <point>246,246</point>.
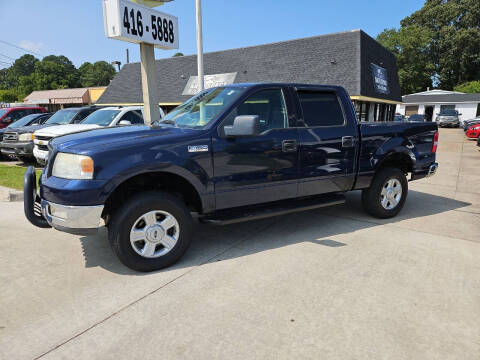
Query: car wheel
<point>387,194</point>
<point>150,231</point>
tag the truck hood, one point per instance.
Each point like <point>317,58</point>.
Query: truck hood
<point>27,129</point>
<point>59,130</point>
<point>111,138</point>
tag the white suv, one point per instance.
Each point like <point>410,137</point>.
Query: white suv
<point>104,117</point>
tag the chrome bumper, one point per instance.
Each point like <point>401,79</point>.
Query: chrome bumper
<point>79,220</point>
<point>432,170</point>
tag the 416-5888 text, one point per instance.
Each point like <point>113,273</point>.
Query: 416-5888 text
<point>162,29</point>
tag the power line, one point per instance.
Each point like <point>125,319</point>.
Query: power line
<point>21,48</point>
<point>8,57</point>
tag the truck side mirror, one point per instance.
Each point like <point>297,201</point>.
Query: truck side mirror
<point>124,122</point>
<point>243,125</point>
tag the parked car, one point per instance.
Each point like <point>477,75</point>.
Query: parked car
<point>448,118</point>
<point>468,123</point>
<point>10,115</point>
<point>32,119</point>
<point>230,154</point>
<point>109,116</point>
<point>19,141</point>
<point>416,118</point>
<point>473,131</point>
<point>399,117</point>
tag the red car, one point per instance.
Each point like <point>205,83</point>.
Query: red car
<point>11,114</point>
<point>473,131</point>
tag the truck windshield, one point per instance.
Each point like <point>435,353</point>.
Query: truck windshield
<point>61,117</point>
<point>101,117</point>
<point>23,121</point>
<point>3,112</point>
<point>448,112</point>
<point>201,109</point>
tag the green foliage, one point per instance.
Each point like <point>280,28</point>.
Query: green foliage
<point>8,96</point>
<point>409,44</point>
<point>453,46</point>
<point>97,74</point>
<point>177,54</point>
<point>469,87</point>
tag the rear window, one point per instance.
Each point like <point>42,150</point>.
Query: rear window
<point>320,108</point>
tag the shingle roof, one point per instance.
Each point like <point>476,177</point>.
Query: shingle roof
<point>441,98</point>
<point>334,59</point>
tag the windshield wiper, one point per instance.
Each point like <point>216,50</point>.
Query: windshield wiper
<point>167,121</point>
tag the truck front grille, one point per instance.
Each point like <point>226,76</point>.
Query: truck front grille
<point>43,138</point>
<point>10,137</point>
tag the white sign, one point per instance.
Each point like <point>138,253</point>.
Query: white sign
<point>210,81</point>
<point>127,21</point>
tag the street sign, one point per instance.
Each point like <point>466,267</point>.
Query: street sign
<point>128,21</point>
<point>210,81</point>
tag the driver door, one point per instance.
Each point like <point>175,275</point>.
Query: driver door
<point>262,168</point>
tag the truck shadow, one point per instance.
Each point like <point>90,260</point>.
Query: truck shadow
<point>216,243</point>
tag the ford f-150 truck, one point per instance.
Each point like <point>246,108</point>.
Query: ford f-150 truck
<point>229,154</point>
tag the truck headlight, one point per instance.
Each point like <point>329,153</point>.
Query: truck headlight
<point>72,166</point>
<point>26,137</point>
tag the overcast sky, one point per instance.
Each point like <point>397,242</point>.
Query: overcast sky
<point>75,28</point>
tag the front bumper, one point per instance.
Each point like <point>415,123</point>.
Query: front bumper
<point>473,134</point>
<point>40,155</point>
<point>17,148</point>
<point>78,220</point>
<point>448,123</point>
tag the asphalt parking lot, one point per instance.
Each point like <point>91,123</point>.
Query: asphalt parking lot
<point>327,284</point>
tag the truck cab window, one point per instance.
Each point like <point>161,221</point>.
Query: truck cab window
<point>270,107</point>
<point>320,109</point>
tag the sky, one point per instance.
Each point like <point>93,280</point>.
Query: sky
<point>75,28</point>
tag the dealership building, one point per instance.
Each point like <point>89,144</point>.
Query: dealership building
<point>432,102</point>
<point>350,59</point>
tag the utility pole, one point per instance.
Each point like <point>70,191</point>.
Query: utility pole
<point>128,57</point>
<point>151,113</point>
<point>201,84</point>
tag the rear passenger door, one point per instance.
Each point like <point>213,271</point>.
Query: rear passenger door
<point>326,142</point>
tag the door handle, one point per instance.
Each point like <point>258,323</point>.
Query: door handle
<point>348,141</point>
<point>289,145</point>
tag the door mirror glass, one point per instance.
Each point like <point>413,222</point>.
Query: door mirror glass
<point>243,125</point>
<point>125,122</point>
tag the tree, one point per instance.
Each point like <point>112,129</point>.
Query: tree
<point>23,66</point>
<point>8,96</point>
<point>177,54</point>
<point>97,74</point>
<point>469,87</point>
<point>455,43</point>
<point>53,72</point>
<point>410,45</point>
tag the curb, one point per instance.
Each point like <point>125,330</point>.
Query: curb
<point>12,195</point>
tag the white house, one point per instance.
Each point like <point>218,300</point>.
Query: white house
<point>431,102</point>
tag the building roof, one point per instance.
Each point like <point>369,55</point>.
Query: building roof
<point>440,96</point>
<point>335,59</point>
<point>62,96</point>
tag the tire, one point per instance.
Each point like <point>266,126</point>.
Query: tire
<point>135,216</point>
<point>392,204</point>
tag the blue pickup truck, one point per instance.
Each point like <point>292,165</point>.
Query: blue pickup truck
<point>229,154</point>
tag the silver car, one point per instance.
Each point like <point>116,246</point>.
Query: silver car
<point>448,118</point>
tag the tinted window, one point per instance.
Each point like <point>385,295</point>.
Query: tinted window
<point>82,115</point>
<point>270,107</point>
<point>320,109</point>
<point>134,116</point>
<point>17,114</point>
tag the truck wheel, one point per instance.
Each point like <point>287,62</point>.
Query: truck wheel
<point>150,231</point>
<point>387,194</point>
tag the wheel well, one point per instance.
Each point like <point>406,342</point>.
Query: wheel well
<point>168,182</point>
<point>398,160</point>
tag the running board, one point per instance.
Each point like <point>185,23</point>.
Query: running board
<point>237,215</point>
